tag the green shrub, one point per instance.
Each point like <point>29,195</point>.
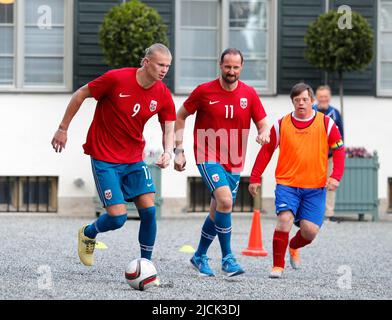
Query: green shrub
<point>127,30</point>
<point>334,49</point>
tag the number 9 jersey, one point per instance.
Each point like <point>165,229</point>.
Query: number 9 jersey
<point>222,122</point>
<point>123,108</point>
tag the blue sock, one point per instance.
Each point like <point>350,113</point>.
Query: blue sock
<point>223,228</point>
<point>104,223</point>
<point>208,234</point>
<point>147,231</point>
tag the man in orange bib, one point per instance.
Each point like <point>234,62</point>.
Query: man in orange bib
<point>304,138</point>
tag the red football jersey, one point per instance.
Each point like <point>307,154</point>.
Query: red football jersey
<point>223,122</point>
<point>123,108</point>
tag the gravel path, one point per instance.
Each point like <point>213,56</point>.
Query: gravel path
<point>39,261</point>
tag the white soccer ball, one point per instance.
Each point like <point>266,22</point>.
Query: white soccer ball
<point>141,274</point>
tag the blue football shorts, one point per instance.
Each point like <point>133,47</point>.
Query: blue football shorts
<point>304,203</point>
<point>215,176</point>
<point>120,183</point>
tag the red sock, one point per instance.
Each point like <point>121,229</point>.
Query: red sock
<point>298,241</point>
<point>279,246</point>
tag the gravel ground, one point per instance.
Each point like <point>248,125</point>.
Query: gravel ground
<point>39,261</point>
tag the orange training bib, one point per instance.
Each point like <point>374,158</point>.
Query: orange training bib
<point>303,155</point>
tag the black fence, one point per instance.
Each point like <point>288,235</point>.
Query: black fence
<point>199,196</point>
<point>28,194</point>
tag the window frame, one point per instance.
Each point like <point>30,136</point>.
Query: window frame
<point>223,40</point>
<point>381,92</point>
<point>19,53</point>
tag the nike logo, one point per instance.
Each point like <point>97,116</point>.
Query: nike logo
<point>149,184</point>
<point>121,95</point>
<point>214,102</point>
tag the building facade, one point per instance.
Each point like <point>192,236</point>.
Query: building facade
<point>49,48</point>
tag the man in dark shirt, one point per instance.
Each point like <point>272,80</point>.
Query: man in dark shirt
<point>323,96</point>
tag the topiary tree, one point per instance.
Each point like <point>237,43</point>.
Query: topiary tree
<point>333,48</point>
<point>127,30</point>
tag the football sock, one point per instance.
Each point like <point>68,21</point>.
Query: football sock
<point>208,234</point>
<point>104,223</point>
<point>279,246</point>
<point>223,229</point>
<point>147,231</point>
<point>298,241</point>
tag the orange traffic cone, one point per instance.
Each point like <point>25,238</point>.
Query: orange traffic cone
<point>255,245</point>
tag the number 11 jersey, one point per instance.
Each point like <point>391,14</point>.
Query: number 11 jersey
<point>222,122</point>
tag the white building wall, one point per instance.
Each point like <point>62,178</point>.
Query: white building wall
<point>27,125</point>
<point>28,121</point>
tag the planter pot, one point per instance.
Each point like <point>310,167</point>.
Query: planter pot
<point>358,190</point>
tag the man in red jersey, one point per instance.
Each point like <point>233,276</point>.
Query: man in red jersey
<point>224,109</point>
<point>304,138</point>
<point>127,99</point>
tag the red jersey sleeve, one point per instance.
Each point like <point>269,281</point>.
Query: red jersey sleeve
<point>338,157</point>
<point>102,85</point>
<point>168,112</point>
<point>192,103</point>
<point>258,112</point>
<point>264,157</point>
<point>334,136</point>
<point>336,144</point>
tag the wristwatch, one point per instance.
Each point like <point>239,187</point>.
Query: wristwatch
<point>178,151</point>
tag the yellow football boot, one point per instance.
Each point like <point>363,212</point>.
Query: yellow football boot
<point>86,248</point>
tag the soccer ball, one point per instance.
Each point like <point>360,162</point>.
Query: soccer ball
<point>141,274</point>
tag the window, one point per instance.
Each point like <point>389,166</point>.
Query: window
<point>199,196</point>
<point>384,74</point>
<point>28,194</point>
<point>204,28</point>
<point>7,58</point>
<point>37,52</point>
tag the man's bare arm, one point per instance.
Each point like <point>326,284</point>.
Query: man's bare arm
<point>60,137</point>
